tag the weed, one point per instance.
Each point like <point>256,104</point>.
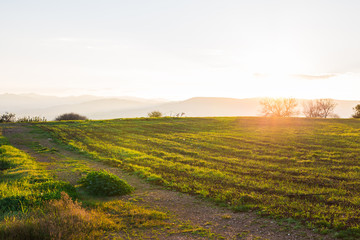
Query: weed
<point>226,216</point>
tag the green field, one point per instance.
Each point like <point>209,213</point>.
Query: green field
<point>304,169</point>
<point>40,198</point>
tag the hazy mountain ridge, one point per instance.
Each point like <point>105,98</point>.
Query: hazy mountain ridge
<point>123,107</point>
<point>16,102</point>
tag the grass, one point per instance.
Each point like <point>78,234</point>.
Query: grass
<point>68,219</point>
<point>25,183</point>
<point>302,169</point>
<point>35,205</point>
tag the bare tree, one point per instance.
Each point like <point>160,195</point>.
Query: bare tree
<point>326,106</point>
<point>310,109</point>
<point>319,108</point>
<point>279,107</point>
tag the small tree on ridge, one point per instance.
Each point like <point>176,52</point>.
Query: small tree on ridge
<point>279,107</point>
<point>319,108</point>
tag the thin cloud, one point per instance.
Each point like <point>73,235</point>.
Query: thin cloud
<point>260,75</point>
<point>75,40</point>
<point>78,40</point>
<point>314,77</point>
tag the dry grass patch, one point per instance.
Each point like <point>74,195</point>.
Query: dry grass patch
<point>57,219</point>
<point>67,219</point>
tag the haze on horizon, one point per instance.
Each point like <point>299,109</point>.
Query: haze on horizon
<point>181,49</point>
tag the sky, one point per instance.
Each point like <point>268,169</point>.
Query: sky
<point>180,49</point>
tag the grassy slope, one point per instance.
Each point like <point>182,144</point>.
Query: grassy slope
<point>32,205</point>
<point>301,168</point>
<point>24,183</point>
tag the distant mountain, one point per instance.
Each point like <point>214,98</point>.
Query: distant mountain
<point>211,106</point>
<point>51,106</point>
<point>22,102</point>
<point>96,109</point>
<point>124,107</point>
<point>204,107</point>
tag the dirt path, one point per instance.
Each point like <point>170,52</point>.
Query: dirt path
<point>184,207</point>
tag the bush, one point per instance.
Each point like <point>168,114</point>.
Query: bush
<point>7,117</point>
<point>31,119</point>
<point>70,116</point>
<point>155,114</point>
<point>356,111</point>
<point>105,184</point>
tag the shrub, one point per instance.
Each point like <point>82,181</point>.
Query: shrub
<point>7,117</point>
<point>70,116</point>
<point>105,184</point>
<point>356,111</point>
<point>155,114</point>
<point>31,119</point>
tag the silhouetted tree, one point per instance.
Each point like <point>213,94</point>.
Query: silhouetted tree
<point>8,117</point>
<point>319,108</point>
<point>310,109</point>
<point>70,116</point>
<point>356,111</point>
<point>326,106</point>
<point>279,107</point>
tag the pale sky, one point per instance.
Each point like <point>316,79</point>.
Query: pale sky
<point>179,49</point>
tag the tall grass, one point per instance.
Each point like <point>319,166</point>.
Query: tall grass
<point>56,219</point>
